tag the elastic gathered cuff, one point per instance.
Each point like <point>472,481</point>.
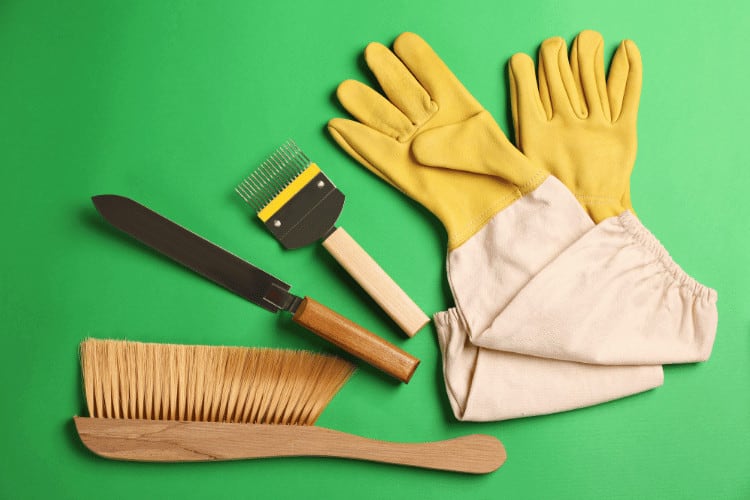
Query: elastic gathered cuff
<point>646,238</point>
<point>444,319</point>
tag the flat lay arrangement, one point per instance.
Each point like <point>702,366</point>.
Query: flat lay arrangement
<point>381,250</point>
<point>563,299</point>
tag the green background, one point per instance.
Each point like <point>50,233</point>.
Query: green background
<point>172,103</point>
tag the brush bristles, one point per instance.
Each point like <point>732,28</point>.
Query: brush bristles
<point>273,175</point>
<point>203,383</point>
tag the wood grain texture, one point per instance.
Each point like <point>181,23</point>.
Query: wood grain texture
<point>376,282</point>
<point>355,339</point>
<point>169,441</point>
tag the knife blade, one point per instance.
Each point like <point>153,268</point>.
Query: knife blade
<point>252,283</point>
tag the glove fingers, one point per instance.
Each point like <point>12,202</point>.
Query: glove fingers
<point>368,146</point>
<point>526,104</point>
<point>403,90</point>
<point>544,94</point>
<point>587,65</point>
<point>433,74</point>
<point>374,110</point>
<point>560,86</point>
<point>625,81</point>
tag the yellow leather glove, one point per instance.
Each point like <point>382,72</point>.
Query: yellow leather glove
<point>506,217</point>
<point>577,124</point>
<point>430,124</point>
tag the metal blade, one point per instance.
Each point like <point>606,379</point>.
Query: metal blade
<point>196,253</point>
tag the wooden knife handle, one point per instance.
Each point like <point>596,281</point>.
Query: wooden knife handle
<point>376,282</point>
<point>355,340</point>
<point>171,441</point>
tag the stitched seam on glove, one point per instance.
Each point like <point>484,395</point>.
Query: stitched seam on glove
<point>534,182</point>
<point>417,127</point>
<point>596,200</point>
<point>474,225</point>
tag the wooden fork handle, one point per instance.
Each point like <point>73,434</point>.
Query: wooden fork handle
<point>376,282</point>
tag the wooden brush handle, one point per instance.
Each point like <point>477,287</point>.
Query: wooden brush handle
<point>375,281</point>
<point>170,441</point>
<point>355,340</point>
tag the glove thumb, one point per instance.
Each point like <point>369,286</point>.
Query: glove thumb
<point>474,145</point>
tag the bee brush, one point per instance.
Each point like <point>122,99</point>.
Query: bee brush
<point>182,403</point>
<point>298,204</point>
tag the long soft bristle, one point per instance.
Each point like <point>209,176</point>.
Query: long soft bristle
<point>214,384</point>
<point>273,175</point>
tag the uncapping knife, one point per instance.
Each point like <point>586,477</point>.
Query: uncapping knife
<point>252,283</point>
